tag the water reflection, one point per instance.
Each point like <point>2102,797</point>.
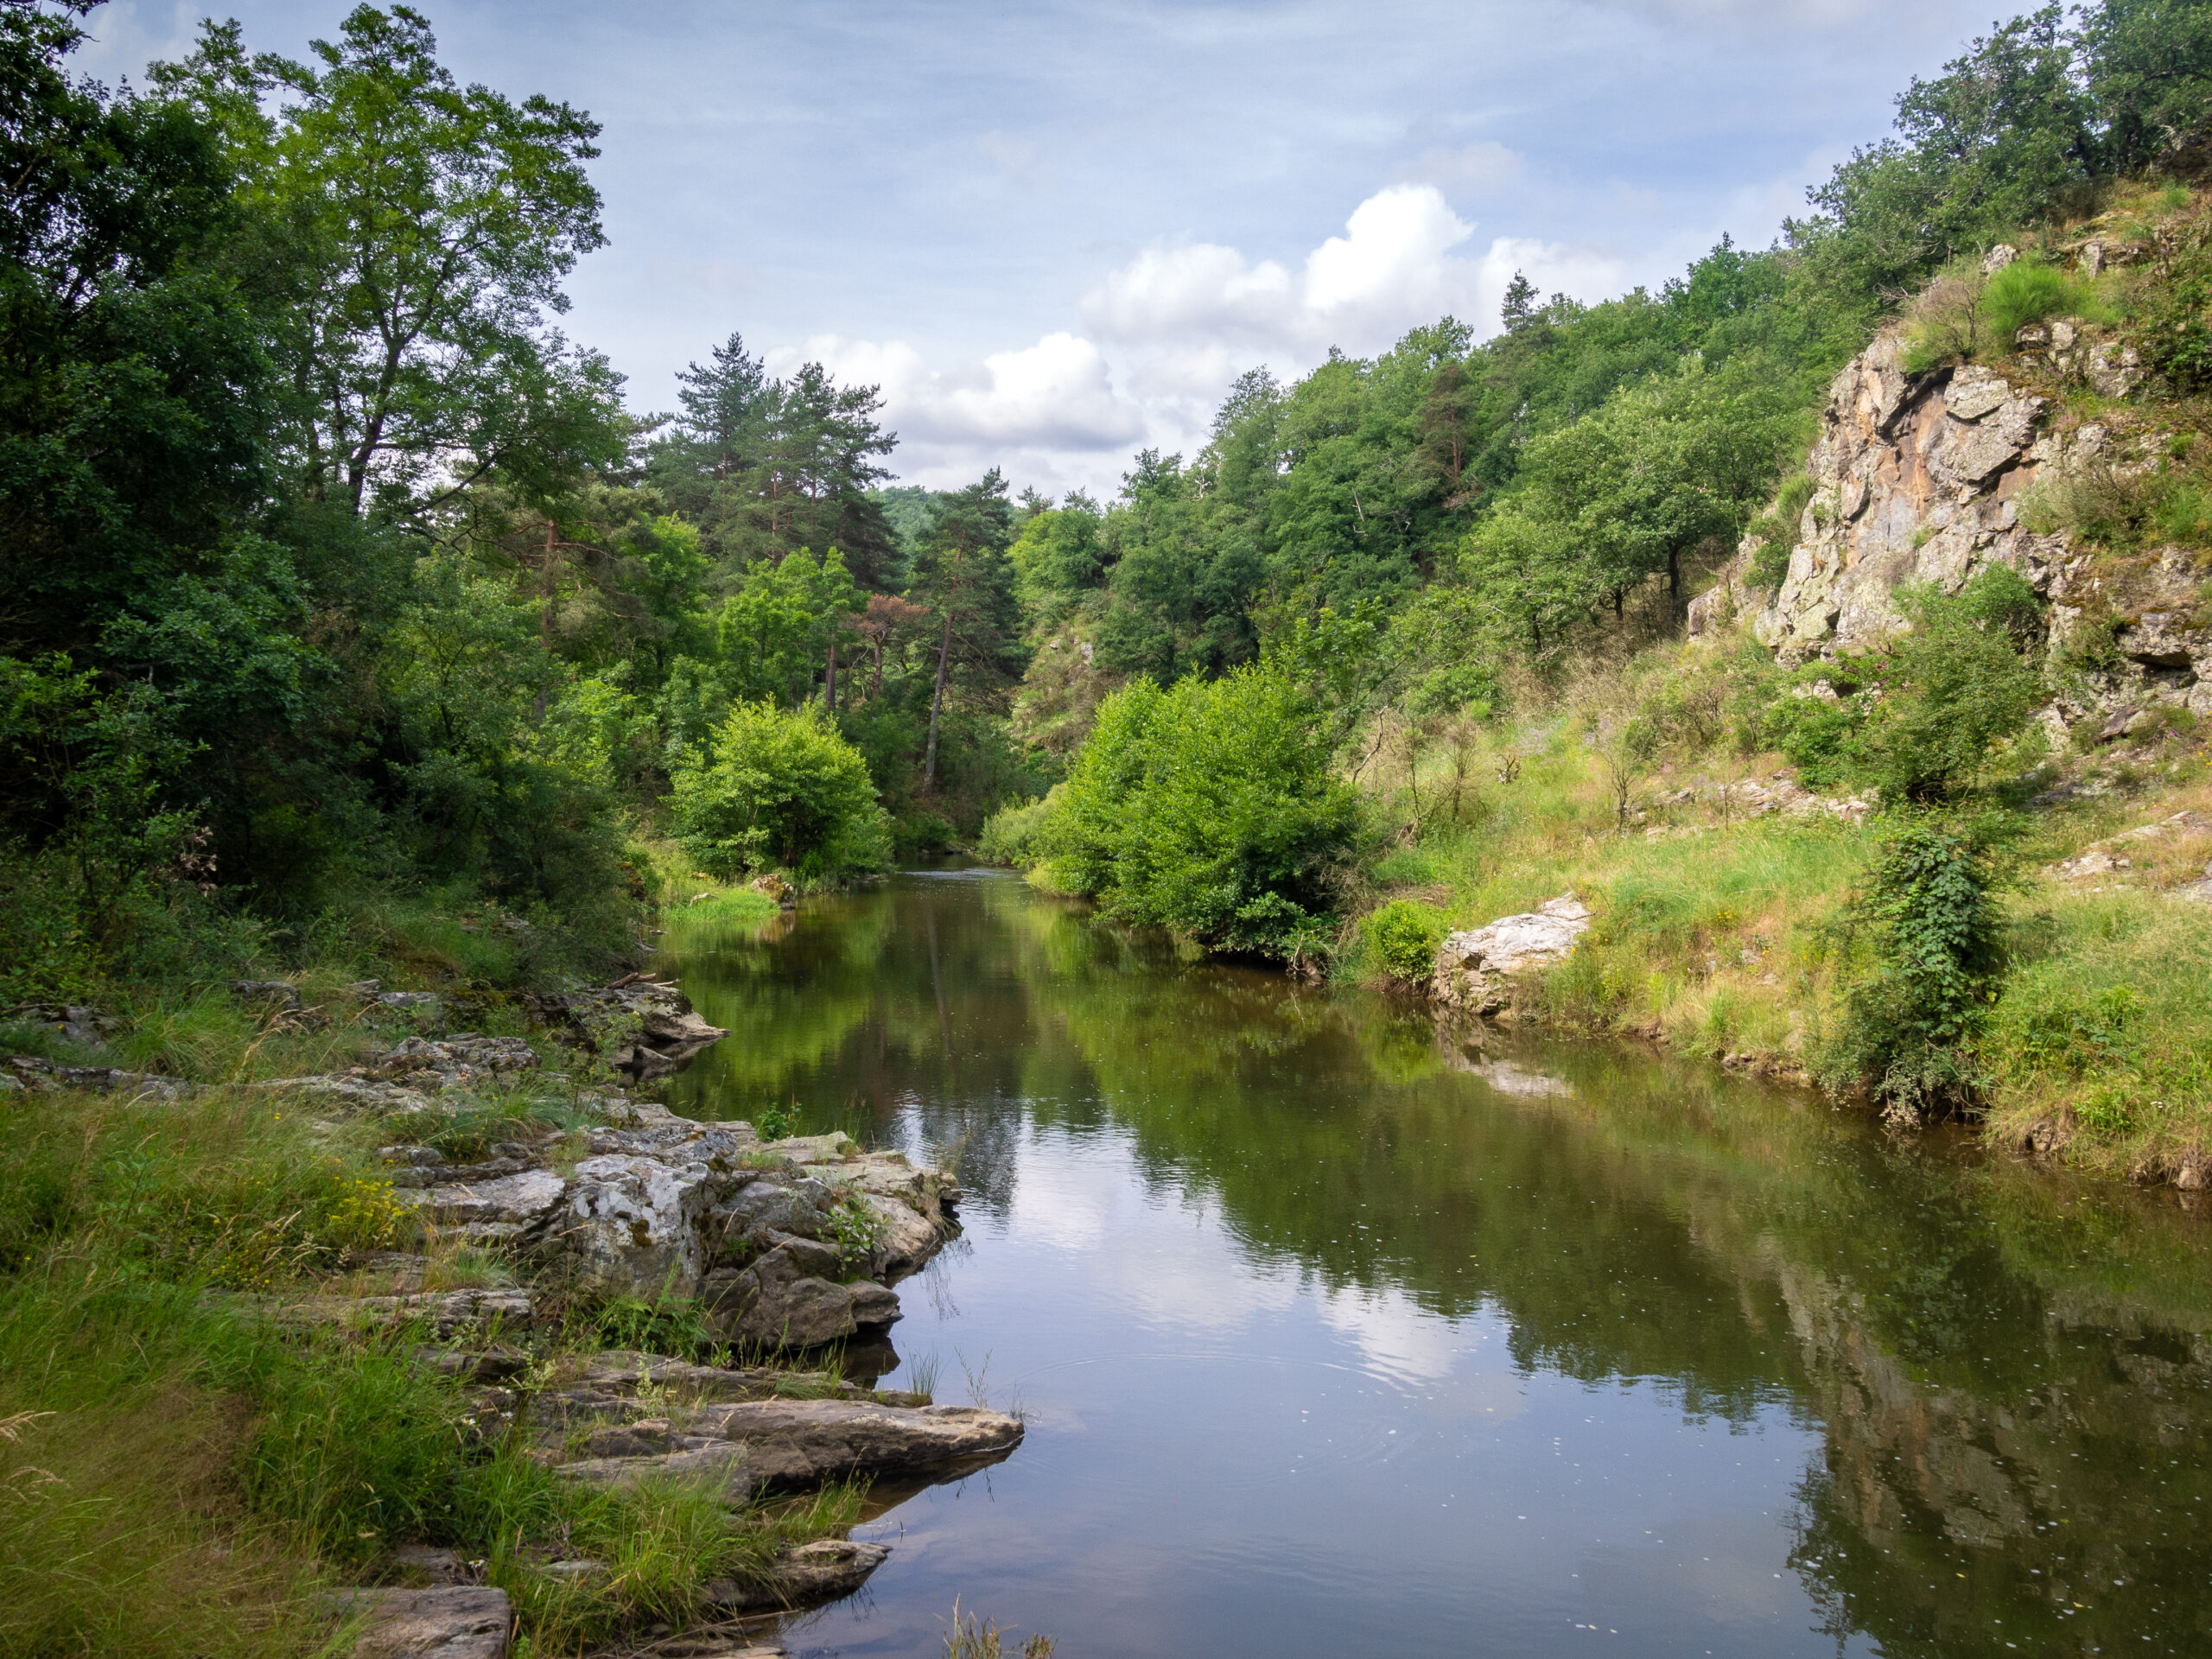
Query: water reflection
<point>1567,1329</point>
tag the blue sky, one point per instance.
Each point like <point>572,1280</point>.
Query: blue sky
<point>1052,232</point>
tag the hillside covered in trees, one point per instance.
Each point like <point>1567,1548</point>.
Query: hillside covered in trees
<point>347,596</point>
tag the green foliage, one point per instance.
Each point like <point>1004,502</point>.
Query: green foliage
<point>1011,834</point>
<point>1210,810</point>
<point>1936,935</point>
<point>2028,291</point>
<point>1936,712</point>
<point>778,787</point>
<point>1401,937</point>
<point>1780,530</point>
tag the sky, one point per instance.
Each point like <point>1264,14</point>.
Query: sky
<point>1053,230</point>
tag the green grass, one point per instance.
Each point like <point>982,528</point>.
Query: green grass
<point>180,1476</point>
<point>1719,934</point>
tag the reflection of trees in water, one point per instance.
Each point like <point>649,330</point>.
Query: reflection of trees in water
<point>2010,1370</point>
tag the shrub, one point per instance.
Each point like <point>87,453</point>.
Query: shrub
<point>1944,323</point>
<point>1401,937</point>
<point>1948,692</point>
<point>779,787</point>
<point>1010,835</point>
<point>1926,718</point>
<point>1781,529</point>
<point>1210,809</point>
<point>2027,291</point>
<point>1938,949</point>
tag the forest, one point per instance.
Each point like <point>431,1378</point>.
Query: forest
<point>347,596</point>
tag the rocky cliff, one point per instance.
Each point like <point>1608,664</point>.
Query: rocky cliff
<point>1930,477</point>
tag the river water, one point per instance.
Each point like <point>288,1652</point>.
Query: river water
<point>1334,1337</point>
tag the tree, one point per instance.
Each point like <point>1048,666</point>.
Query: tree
<point>766,466</point>
<point>413,233</point>
<point>962,573</point>
<point>777,786</point>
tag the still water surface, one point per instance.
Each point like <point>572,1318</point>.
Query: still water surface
<point>1333,1338</point>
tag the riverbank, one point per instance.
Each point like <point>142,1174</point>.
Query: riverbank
<point>1718,926</point>
<point>378,1300</point>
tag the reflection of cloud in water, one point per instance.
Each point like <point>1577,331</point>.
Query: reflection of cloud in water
<point>1165,1253</point>
<point>1394,1334</point>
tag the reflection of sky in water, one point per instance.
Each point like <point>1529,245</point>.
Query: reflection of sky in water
<point>1336,1338</point>
<point>1223,1459</point>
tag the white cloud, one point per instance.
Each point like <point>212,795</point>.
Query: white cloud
<point>1394,267</point>
<point>1168,330</point>
<point>1056,399</point>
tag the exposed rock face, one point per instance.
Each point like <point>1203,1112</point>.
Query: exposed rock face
<point>450,1622</point>
<point>1920,479</point>
<point>28,1071</point>
<point>642,1027</point>
<point>786,1245</point>
<point>1474,970</point>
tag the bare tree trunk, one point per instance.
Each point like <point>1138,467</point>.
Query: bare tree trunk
<point>937,702</point>
<point>875,690</point>
<point>830,680</point>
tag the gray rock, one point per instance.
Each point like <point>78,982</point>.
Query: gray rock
<point>789,1298</point>
<point>510,1203</point>
<point>453,1622</point>
<point>792,1445</point>
<point>1474,969</point>
<point>279,994</point>
<point>638,1225</point>
<point>360,1093</point>
<point>808,1576</point>
<point>30,1072</point>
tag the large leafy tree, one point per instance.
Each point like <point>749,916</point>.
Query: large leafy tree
<point>413,233</point>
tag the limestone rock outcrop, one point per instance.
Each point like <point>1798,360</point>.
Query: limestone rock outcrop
<point>1923,478</point>
<point>447,1621</point>
<point>1475,969</point>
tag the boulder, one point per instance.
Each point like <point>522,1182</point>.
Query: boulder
<point>448,1622</point>
<point>460,1062</point>
<point>70,1021</point>
<point>1474,969</point>
<point>805,1577</point>
<point>637,1225</point>
<point>793,1444</point>
<point>790,1297</point>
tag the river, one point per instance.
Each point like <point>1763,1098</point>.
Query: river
<point>1334,1337</point>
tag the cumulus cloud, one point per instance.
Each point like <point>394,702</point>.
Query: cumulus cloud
<point>1057,395</point>
<point>1166,331</point>
<point>1397,265</point>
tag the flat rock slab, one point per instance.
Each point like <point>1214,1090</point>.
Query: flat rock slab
<point>450,1622</point>
<point>805,1442</point>
<point>786,1445</point>
<point>807,1577</point>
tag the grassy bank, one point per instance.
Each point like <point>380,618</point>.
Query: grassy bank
<point>1723,929</point>
<point>185,1474</point>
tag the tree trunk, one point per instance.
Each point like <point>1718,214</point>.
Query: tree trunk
<point>545,613</point>
<point>875,690</point>
<point>1674,578</point>
<point>937,702</point>
<point>830,678</point>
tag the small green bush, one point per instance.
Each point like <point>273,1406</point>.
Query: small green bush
<point>1780,530</point>
<point>1401,937</point>
<point>1932,714</point>
<point>2028,291</point>
<point>778,787</point>
<point>1931,918</point>
<point>1210,809</point>
<point>1010,835</point>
